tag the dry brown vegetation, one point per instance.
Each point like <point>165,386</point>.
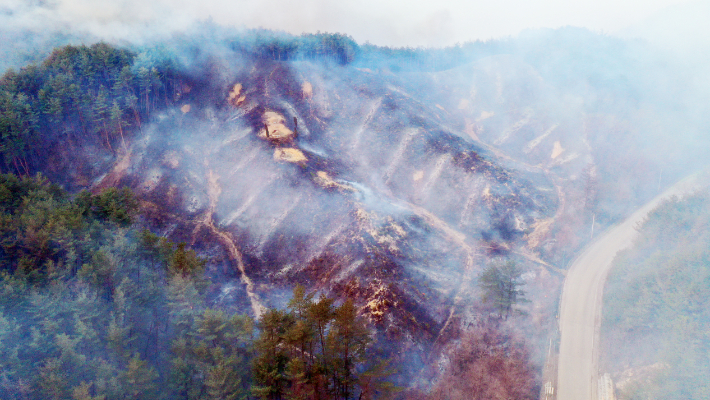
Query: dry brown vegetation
<point>487,364</point>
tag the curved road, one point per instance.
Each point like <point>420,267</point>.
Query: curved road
<point>581,302</point>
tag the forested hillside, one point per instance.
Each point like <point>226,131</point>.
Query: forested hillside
<point>92,307</point>
<point>78,107</point>
<point>655,334</point>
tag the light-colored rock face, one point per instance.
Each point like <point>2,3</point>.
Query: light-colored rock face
<point>274,128</point>
<point>557,150</point>
<point>236,98</point>
<point>307,90</point>
<point>289,155</point>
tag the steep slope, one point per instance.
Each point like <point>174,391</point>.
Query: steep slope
<point>342,181</point>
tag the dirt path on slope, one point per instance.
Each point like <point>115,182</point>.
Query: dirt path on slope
<point>455,237</point>
<point>374,107</point>
<point>113,177</point>
<point>227,241</point>
<point>581,301</point>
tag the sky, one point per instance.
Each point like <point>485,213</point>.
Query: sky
<point>383,22</point>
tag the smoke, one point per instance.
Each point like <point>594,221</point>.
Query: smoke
<point>392,22</point>
<point>682,29</point>
<point>31,28</point>
<point>396,161</point>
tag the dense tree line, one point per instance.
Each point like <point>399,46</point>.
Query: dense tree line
<point>316,350</point>
<point>44,234</point>
<point>280,46</point>
<point>79,94</point>
<point>93,308</point>
<point>344,50</point>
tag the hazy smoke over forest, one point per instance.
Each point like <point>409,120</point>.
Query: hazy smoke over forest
<point>392,176</point>
<point>670,23</point>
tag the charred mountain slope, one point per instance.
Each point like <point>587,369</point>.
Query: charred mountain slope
<point>340,180</point>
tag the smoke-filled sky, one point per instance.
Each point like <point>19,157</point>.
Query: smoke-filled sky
<point>383,22</point>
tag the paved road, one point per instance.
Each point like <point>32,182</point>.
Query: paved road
<point>580,311</point>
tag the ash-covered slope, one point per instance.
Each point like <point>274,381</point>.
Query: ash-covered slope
<point>339,179</point>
